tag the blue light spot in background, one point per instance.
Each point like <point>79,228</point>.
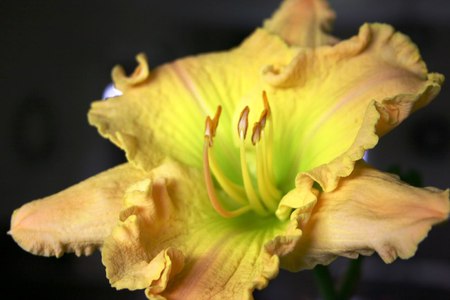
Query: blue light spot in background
<point>110,91</point>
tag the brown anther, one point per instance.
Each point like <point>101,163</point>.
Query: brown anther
<point>263,118</point>
<point>256,135</point>
<point>211,126</point>
<point>243,123</point>
<point>215,120</point>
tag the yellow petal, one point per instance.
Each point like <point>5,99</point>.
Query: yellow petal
<point>164,114</point>
<point>145,272</point>
<point>369,211</point>
<point>75,220</point>
<point>214,257</point>
<point>303,23</point>
<point>332,103</point>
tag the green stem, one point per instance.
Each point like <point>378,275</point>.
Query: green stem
<point>325,282</point>
<point>326,286</point>
<point>351,279</point>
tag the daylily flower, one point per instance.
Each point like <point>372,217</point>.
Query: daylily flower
<point>245,161</point>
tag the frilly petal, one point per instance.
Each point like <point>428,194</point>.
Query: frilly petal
<point>214,257</point>
<point>369,211</point>
<point>77,219</point>
<point>341,99</point>
<point>303,198</point>
<point>303,23</point>
<point>379,118</point>
<point>141,271</point>
<point>122,82</point>
<point>328,175</point>
<point>377,49</point>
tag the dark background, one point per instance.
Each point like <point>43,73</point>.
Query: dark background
<point>56,58</point>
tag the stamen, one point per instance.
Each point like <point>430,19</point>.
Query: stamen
<point>211,190</point>
<point>264,184</point>
<point>268,191</point>
<point>268,140</point>
<point>252,196</point>
<point>235,191</point>
<point>229,187</point>
<point>262,200</point>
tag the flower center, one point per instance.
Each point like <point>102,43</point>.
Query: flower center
<point>258,191</point>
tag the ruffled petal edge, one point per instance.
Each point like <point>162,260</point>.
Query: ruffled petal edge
<point>369,212</point>
<point>77,219</point>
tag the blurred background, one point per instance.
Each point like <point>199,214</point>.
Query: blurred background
<point>56,58</point>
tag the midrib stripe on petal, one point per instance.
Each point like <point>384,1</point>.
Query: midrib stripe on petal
<point>232,249</point>
<point>347,99</point>
<point>185,78</point>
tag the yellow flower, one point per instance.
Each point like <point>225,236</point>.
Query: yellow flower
<point>273,178</point>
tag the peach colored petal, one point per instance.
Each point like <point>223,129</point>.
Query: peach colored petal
<point>75,220</point>
<point>370,211</point>
<point>145,271</point>
<point>304,23</point>
<point>215,257</point>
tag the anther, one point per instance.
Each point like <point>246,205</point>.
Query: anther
<point>263,118</point>
<point>243,123</point>
<point>211,126</point>
<point>215,120</point>
<point>256,135</point>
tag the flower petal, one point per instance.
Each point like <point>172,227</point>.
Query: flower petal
<point>369,211</point>
<point>303,23</point>
<point>75,220</point>
<point>168,108</point>
<point>212,257</point>
<point>336,102</point>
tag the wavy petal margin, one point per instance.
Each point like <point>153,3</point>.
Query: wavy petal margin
<point>172,243</point>
<point>370,211</point>
<point>77,219</point>
<point>368,86</point>
<point>123,82</point>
